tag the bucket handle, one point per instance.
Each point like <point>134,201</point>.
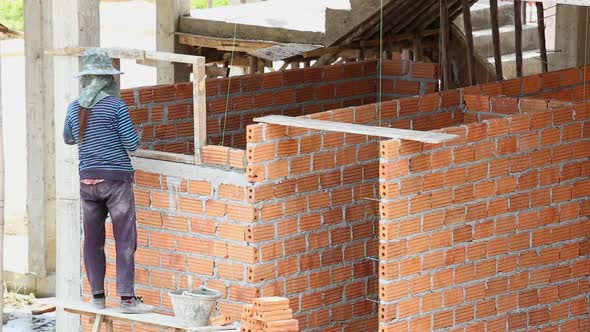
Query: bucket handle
<point>201,288</point>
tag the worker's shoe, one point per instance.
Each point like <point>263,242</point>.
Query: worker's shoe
<point>135,305</point>
<point>98,303</point>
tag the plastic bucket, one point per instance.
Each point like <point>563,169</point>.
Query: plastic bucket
<point>193,308</point>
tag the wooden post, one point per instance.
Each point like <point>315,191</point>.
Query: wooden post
<point>496,39</point>
<point>261,66</point>
<point>252,65</point>
<point>444,35</point>
<point>209,3</point>
<point>542,40</point>
<point>405,54</point>
<point>199,107</point>
<point>418,49</point>
<point>518,37</point>
<point>469,36</point>
<point>117,66</point>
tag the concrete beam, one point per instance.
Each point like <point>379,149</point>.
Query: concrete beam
<point>75,22</point>
<point>570,37</point>
<point>168,13</point>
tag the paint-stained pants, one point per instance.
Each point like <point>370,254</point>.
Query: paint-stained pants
<point>116,199</point>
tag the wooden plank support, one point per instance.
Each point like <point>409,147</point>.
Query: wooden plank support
<point>444,36</point>
<point>518,37</point>
<point>97,323</point>
<point>152,320</point>
<point>412,135</point>
<point>469,36</point>
<point>496,39</point>
<point>118,53</point>
<point>161,155</point>
<point>542,40</point>
<point>222,44</point>
<point>199,107</point>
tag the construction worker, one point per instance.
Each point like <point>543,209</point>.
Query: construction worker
<point>99,123</point>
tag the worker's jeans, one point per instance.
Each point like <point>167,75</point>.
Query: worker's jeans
<point>116,199</point>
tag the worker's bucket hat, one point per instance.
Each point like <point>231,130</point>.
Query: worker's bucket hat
<point>97,62</point>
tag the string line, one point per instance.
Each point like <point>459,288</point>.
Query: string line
<point>231,62</point>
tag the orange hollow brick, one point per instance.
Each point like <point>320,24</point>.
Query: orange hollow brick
<point>270,303</point>
<point>288,325</point>
<point>261,272</point>
<point>220,320</point>
<point>273,315</point>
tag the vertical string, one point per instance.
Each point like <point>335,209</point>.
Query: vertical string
<point>231,62</point>
<point>380,94</point>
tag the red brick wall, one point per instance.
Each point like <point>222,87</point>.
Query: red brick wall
<point>490,232</point>
<point>317,193</point>
<point>164,114</point>
<point>192,221</point>
<point>565,85</point>
<point>233,102</point>
<point>302,221</point>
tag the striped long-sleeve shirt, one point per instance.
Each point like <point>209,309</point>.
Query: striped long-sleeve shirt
<point>109,135</point>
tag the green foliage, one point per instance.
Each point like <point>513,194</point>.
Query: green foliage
<point>203,3</point>
<point>12,14</point>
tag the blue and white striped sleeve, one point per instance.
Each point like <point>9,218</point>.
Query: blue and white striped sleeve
<point>67,133</point>
<point>127,134</point>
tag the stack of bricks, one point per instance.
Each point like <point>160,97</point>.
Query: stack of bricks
<point>268,314</point>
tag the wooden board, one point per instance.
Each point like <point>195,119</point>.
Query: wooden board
<point>283,51</point>
<point>412,135</point>
<point>151,319</point>
<point>222,44</point>
<point>161,155</point>
<point>119,53</point>
<point>130,53</point>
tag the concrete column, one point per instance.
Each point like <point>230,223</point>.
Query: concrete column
<point>168,13</point>
<point>39,145</point>
<point>571,37</point>
<point>75,23</point>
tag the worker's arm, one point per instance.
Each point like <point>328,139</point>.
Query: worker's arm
<point>127,134</point>
<point>68,136</point>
